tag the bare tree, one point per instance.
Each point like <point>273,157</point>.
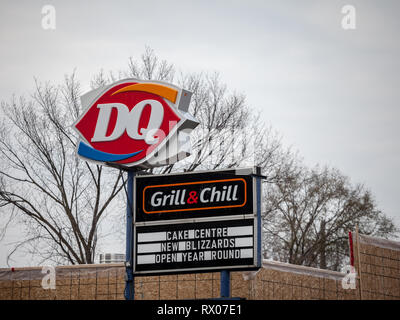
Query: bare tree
<point>62,201</point>
<point>308,215</point>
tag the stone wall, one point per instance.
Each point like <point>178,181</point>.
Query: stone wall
<point>379,264</point>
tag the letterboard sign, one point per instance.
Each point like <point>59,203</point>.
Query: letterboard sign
<point>196,222</point>
<point>205,245</point>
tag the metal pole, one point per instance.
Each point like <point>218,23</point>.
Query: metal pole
<point>129,281</point>
<point>259,222</point>
<point>225,284</point>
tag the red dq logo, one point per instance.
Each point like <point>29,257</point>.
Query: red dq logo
<point>129,122</point>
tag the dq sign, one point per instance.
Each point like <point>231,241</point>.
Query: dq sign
<point>135,123</point>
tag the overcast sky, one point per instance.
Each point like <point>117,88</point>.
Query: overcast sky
<point>332,93</point>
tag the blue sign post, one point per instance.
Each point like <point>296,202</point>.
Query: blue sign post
<point>130,281</point>
<point>259,222</point>
<point>225,284</point>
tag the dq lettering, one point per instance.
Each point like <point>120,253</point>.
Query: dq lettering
<point>129,121</point>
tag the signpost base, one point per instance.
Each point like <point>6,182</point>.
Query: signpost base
<point>225,284</point>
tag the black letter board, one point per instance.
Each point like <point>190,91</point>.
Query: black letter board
<point>196,222</point>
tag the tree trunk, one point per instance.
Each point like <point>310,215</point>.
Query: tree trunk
<point>322,247</point>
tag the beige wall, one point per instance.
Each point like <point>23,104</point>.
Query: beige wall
<point>380,279</point>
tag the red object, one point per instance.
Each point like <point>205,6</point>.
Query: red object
<point>351,249</point>
<point>124,144</point>
<point>12,269</point>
